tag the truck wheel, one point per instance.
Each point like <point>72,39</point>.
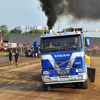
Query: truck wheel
<point>32,54</point>
<point>2,50</point>
<point>36,54</point>
<point>46,87</point>
<point>76,85</point>
<point>26,55</point>
<point>84,85</point>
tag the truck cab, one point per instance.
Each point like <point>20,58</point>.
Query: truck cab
<point>63,59</point>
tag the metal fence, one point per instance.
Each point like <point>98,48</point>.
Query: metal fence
<point>93,53</point>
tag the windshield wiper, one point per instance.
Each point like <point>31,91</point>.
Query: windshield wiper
<point>70,47</point>
<point>62,49</point>
<point>50,50</point>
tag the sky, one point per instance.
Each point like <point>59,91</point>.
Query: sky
<point>29,13</point>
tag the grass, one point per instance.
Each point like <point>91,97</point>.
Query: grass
<point>6,53</point>
<point>2,53</point>
<point>17,65</point>
<point>11,66</point>
<point>35,60</point>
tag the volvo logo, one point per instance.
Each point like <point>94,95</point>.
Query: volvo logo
<point>62,55</point>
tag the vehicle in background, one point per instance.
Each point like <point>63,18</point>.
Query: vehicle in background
<point>95,47</point>
<point>2,48</point>
<point>29,53</point>
<point>95,51</point>
<point>12,45</point>
<point>36,49</point>
<point>9,46</point>
<point>33,51</point>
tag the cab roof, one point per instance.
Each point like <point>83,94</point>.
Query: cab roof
<point>60,34</point>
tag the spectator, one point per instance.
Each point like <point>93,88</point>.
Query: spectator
<point>16,57</point>
<point>10,57</point>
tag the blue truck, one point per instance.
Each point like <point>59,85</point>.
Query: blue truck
<point>63,59</point>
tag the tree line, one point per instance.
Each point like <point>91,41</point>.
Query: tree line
<point>5,32</point>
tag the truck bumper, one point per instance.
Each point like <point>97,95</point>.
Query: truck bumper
<point>64,79</point>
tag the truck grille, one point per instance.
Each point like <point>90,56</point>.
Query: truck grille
<point>63,72</point>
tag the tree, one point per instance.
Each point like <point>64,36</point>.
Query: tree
<point>4,30</point>
<point>68,29</point>
<point>26,32</point>
<point>15,31</point>
<point>36,31</point>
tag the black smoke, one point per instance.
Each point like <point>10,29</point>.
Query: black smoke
<point>78,9</point>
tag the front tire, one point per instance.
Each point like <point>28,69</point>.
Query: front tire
<point>26,55</point>
<point>46,87</point>
<point>2,50</point>
<point>36,54</point>
<point>84,85</point>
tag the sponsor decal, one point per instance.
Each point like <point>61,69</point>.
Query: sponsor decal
<point>44,27</point>
<point>62,55</point>
<point>91,30</point>
<point>77,62</point>
<point>18,27</point>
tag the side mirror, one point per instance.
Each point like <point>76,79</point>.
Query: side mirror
<point>87,42</point>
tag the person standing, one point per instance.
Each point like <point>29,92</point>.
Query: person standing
<point>10,57</point>
<point>16,57</point>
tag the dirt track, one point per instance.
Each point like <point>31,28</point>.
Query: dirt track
<point>4,61</point>
<point>24,83</point>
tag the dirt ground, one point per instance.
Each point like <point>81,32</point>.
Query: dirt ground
<point>4,61</point>
<point>24,83</point>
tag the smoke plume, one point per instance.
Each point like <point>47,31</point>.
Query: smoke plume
<point>78,9</point>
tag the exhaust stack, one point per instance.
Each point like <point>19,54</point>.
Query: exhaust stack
<point>50,31</point>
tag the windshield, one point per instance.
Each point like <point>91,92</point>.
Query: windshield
<point>62,43</point>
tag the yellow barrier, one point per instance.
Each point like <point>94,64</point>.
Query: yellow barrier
<point>91,71</point>
<point>87,60</point>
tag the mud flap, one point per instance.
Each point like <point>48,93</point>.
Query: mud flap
<point>91,74</point>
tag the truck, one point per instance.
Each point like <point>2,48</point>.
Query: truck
<point>33,51</point>
<point>3,48</point>
<point>8,46</point>
<point>63,59</point>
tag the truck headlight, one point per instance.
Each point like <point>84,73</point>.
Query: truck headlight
<point>80,77</point>
<point>46,72</point>
<point>47,79</point>
<point>79,69</point>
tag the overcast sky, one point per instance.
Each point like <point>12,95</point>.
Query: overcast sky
<point>29,13</point>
